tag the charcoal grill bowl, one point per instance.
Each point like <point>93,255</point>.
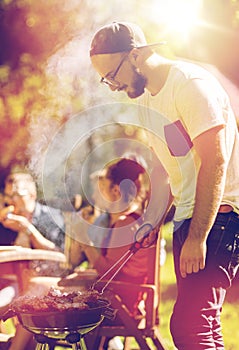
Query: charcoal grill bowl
<point>68,325</point>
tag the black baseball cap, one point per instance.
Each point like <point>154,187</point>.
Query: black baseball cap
<point>118,37</point>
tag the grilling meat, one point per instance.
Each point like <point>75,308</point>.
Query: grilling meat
<point>55,300</point>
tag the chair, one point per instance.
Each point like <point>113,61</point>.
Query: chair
<point>16,271</point>
<point>145,329</point>
<point>11,274</point>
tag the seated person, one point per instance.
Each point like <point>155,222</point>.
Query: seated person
<point>27,223</point>
<point>120,188</point>
<point>95,217</point>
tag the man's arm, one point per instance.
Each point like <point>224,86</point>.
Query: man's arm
<point>210,147</point>
<point>20,223</point>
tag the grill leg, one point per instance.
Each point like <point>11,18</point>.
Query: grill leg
<point>82,344</point>
<point>43,343</point>
<point>41,346</point>
<point>74,339</point>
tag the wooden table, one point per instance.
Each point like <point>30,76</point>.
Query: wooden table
<point>17,253</point>
<point>14,261</point>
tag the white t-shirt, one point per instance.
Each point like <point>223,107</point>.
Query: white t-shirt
<point>190,102</point>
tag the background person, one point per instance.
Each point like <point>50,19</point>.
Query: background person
<point>198,148</point>
<point>120,188</point>
<point>27,223</point>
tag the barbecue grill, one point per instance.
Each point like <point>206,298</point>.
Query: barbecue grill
<point>70,325</point>
<point>48,327</point>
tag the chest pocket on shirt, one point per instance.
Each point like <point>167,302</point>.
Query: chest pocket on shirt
<point>177,139</point>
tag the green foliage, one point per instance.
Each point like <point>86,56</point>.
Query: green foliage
<point>36,27</point>
<point>30,32</point>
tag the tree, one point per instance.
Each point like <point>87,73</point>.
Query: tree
<point>31,32</point>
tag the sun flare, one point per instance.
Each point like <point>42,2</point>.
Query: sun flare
<point>177,16</point>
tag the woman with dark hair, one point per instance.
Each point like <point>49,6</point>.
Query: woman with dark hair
<point>121,187</point>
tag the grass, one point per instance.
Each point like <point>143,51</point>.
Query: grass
<point>168,291</point>
<point>230,310</point>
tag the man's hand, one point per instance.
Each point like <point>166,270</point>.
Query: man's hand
<point>152,237</point>
<point>5,211</point>
<point>16,222</point>
<point>87,214</point>
<point>193,256</point>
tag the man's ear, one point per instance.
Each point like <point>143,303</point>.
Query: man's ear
<point>134,57</point>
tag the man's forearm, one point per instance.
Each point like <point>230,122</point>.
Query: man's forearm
<point>209,192</point>
<point>210,186</point>
<point>37,239</point>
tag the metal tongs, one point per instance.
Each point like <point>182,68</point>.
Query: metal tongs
<point>142,240</point>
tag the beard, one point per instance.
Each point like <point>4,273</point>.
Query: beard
<point>138,85</point>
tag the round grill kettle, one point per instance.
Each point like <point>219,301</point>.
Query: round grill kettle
<point>72,324</point>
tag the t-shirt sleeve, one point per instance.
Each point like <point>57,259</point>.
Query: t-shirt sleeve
<point>202,105</point>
